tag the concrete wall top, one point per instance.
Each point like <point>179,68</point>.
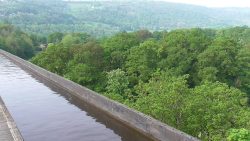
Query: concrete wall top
<point>11,127</point>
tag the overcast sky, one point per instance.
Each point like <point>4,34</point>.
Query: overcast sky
<point>215,3</point>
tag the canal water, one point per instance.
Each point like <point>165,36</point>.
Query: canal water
<point>45,112</point>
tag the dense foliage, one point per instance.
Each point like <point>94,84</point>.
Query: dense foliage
<point>101,18</point>
<point>197,80</point>
<point>239,135</point>
<point>16,42</point>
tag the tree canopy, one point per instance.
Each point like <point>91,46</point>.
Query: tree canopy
<point>16,42</point>
<point>196,80</point>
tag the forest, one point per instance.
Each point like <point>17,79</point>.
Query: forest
<point>17,42</point>
<point>196,80</point>
<point>105,18</point>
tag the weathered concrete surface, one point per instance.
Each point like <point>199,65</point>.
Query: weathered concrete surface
<point>143,123</point>
<point>8,128</point>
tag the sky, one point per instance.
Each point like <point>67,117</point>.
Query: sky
<point>215,3</point>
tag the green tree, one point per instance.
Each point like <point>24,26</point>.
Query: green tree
<point>86,66</point>
<point>163,97</point>
<point>142,61</point>
<point>16,42</point>
<point>214,108</point>
<point>75,38</point>
<point>118,86</point>
<point>116,49</point>
<point>239,135</point>
<point>55,58</point>
<point>181,48</point>
<point>242,80</point>
<point>227,62</point>
<point>55,37</point>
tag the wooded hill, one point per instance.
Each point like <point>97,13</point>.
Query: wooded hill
<point>101,18</point>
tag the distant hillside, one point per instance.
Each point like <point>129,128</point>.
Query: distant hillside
<point>132,15</point>
<point>106,17</point>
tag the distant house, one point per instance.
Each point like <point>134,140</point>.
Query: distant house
<point>43,46</point>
